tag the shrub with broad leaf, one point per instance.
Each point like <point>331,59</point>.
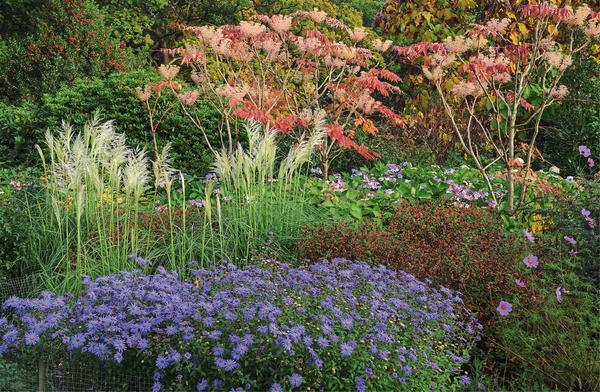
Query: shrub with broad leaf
<point>290,72</point>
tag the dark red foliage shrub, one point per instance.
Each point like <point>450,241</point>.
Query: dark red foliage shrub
<point>460,248</point>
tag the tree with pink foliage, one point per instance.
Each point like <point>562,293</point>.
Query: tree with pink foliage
<point>502,84</point>
<point>290,72</point>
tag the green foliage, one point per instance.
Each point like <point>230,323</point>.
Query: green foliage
<point>576,121</point>
<point>430,20</point>
<point>545,342</point>
<point>374,193</point>
<point>154,23</point>
<point>21,127</point>
<point>12,377</point>
<point>13,233</point>
<point>68,39</point>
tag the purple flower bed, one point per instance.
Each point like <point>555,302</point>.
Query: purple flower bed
<point>336,324</point>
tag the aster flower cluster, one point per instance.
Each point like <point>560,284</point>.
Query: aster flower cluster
<point>366,326</point>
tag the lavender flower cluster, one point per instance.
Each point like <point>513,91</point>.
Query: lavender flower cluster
<point>339,323</point>
<point>463,195</point>
<point>393,173</point>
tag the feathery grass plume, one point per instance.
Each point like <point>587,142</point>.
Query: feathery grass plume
<point>262,194</point>
<point>162,168</point>
<point>86,219</point>
<point>302,152</point>
<point>135,174</point>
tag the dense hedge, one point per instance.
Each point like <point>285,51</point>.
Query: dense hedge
<point>22,126</point>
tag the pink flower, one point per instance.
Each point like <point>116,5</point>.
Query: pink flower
<point>280,23</point>
<point>590,162</point>
<point>572,252</point>
<point>531,261</point>
<point>529,235</point>
<point>357,34</point>
<point>520,283</point>
<point>558,294</point>
<point>504,308</point>
<point>585,151</point>
<point>189,98</point>
<point>570,240</point>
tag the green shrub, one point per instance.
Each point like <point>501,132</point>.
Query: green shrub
<point>576,121</point>
<point>67,39</point>
<point>14,183</point>
<point>113,97</point>
<point>547,342</point>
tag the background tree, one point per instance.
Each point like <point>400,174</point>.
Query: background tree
<point>505,87</point>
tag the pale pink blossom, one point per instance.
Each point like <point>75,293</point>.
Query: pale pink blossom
<point>464,89</point>
<point>189,98</point>
<point>168,71</point>
<point>559,92</point>
<point>520,283</point>
<point>357,34</point>
<point>310,45</point>
<point>317,16</point>
<point>592,28</point>
<point>251,29</point>
<point>235,94</point>
<point>366,104</point>
<point>458,44</point>
<point>501,77</point>
<point>434,74</point>
<point>381,46</point>
<point>558,60</point>
<point>580,15</point>
<point>280,23</point>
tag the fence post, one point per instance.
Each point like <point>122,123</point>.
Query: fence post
<point>42,376</point>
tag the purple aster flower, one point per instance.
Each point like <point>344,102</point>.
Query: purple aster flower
<point>361,385</point>
<point>156,387</point>
<point>31,338</point>
<point>162,362</point>
<point>276,388</point>
<point>295,380</point>
<point>226,364</point>
<point>585,151</point>
<point>465,379</point>
<point>322,342</point>
<point>529,235</point>
<point>504,308</point>
<point>218,351</point>
<point>559,296</point>
<point>570,240</point>
<point>531,261</point>
<point>585,213</point>
<point>347,348</point>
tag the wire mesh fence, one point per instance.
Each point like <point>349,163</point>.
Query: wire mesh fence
<point>22,286</point>
<point>71,375</point>
<point>62,373</point>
